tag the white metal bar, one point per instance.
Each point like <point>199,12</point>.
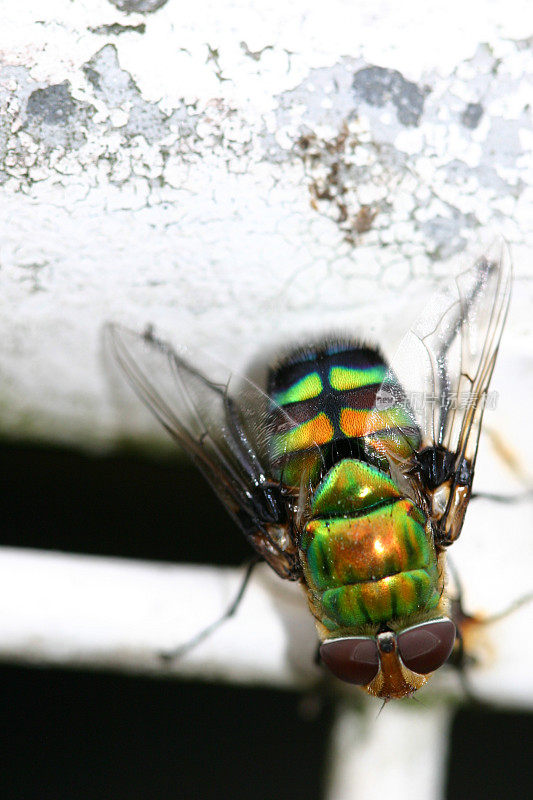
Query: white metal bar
<point>58,608</point>
<point>100,612</point>
<point>400,751</point>
<point>96,612</point>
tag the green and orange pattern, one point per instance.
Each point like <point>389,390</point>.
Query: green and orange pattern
<point>327,396</point>
<point>366,549</point>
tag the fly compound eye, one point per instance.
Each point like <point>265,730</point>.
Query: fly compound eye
<point>424,648</point>
<point>353,660</point>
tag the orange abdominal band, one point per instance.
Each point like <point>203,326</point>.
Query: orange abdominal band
<point>318,430</point>
<point>361,423</point>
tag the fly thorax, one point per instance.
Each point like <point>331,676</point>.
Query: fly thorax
<point>367,552</point>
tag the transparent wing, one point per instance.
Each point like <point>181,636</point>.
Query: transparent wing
<point>445,364</point>
<point>224,439</point>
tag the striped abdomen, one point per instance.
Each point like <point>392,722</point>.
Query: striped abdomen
<point>367,553</point>
<point>325,411</point>
<point>366,550</point>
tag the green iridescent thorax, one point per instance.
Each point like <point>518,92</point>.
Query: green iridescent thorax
<point>367,552</point>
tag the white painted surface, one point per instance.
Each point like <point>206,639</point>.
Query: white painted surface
<point>103,612</point>
<point>185,176</point>
<point>400,752</point>
<point>188,199</point>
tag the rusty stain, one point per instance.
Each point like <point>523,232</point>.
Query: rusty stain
<point>333,181</point>
<point>365,217</point>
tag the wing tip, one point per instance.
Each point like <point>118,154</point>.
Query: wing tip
<point>498,256</point>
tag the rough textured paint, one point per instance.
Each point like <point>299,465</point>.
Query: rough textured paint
<point>138,6</point>
<point>377,86</point>
<point>53,105</point>
<point>472,114</point>
<point>115,88</point>
<point>54,118</point>
<point>116,29</point>
<point>257,174</point>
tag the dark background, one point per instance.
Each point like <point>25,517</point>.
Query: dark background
<point>71,735</point>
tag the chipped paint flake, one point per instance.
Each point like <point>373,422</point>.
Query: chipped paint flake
<point>377,87</point>
<point>138,6</point>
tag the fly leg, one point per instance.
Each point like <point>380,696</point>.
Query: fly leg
<point>511,608</point>
<point>520,497</point>
<point>460,659</point>
<point>512,462</point>
<point>178,652</point>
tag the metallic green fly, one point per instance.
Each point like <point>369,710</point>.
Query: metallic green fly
<point>342,477</point>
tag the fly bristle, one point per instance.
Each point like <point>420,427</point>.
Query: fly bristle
<point>326,346</point>
<point>299,358</point>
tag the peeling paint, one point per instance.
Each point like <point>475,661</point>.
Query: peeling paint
<point>138,6</point>
<point>415,186</point>
<point>364,171</point>
<point>378,86</point>
<point>116,29</point>
<point>472,115</point>
<point>217,179</point>
<point>340,171</point>
<point>54,118</point>
<point>117,90</point>
<point>51,106</point>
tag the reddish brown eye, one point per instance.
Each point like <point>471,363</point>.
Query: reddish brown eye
<point>426,647</point>
<point>353,660</point>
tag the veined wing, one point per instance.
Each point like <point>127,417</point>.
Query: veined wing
<point>203,417</point>
<point>445,364</point>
